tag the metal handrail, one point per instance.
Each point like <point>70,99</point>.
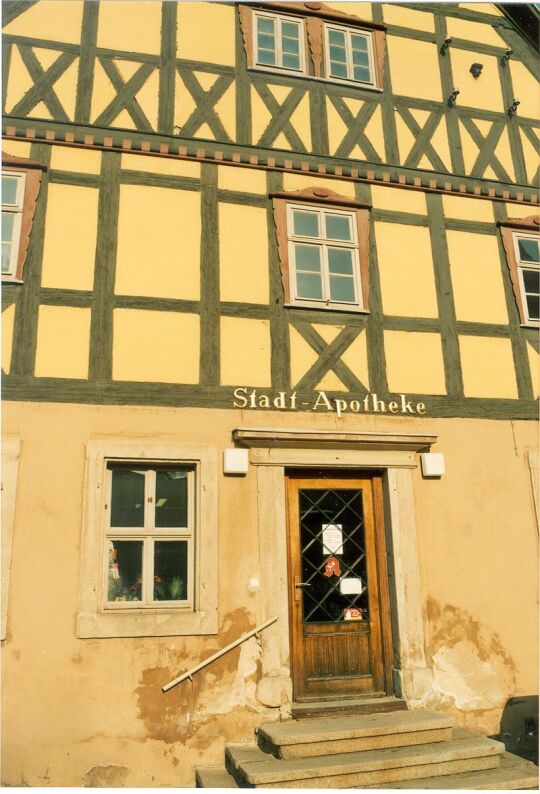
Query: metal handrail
<point>217,655</point>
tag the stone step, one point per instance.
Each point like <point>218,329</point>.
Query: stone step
<point>346,706</point>
<point>252,767</point>
<point>214,777</point>
<point>512,774</point>
<point>308,738</point>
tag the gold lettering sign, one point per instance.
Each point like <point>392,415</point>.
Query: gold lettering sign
<point>288,401</point>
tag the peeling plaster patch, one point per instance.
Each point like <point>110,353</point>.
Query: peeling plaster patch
<point>471,669</point>
<point>240,691</point>
<point>110,776</point>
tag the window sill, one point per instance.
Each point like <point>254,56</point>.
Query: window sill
<point>323,307</point>
<point>277,72</point>
<point>536,326</point>
<point>159,623</point>
<point>9,280</point>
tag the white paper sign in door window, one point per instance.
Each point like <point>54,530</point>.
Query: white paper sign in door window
<point>332,536</point>
<point>351,585</point>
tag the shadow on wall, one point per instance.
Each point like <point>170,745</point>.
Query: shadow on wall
<point>519,727</point>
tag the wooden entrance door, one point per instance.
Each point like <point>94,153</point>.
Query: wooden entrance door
<point>339,605</point>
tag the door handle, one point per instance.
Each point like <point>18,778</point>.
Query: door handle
<point>298,585</point>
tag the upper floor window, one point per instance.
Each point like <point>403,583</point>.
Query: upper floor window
<point>521,239</point>
<point>313,40</point>
<point>527,248</point>
<point>349,55</point>
<point>323,247</point>
<point>279,42</point>
<point>21,181</point>
<point>12,210</point>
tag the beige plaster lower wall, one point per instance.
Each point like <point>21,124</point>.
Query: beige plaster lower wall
<point>90,712</point>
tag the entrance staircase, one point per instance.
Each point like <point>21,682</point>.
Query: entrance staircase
<point>404,749</point>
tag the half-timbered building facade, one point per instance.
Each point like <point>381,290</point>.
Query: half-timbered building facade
<point>270,358</point>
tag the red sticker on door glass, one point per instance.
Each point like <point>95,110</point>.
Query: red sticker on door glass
<point>333,567</point>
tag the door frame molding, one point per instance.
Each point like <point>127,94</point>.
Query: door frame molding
<point>271,452</point>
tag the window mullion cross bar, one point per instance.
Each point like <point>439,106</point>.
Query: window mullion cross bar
<point>149,525</point>
<point>348,40</point>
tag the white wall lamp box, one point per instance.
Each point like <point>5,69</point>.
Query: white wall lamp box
<point>235,461</point>
<point>432,464</point>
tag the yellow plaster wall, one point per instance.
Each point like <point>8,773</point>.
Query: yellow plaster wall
<point>69,158</point>
<point>158,251</point>
<point>473,31</point>
<point>485,91</point>
<point>359,9</point>
<point>488,367</point>
<point>398,200</point>
<point>50,20</point>
<point>63,342</point>
<point>355,357</point>
<point>467,209</point>
<point>18,148</point>
<point>245,352</point>
<point>301,181</point>
<point>246,180</point>
<point>414,362</point>
<point>408,18</point>
<point>526,89</point>
<point>155,346</point>
<point>476,277</point>
<point>414,68</point>
<point>520,210</point>
<point>130,26</point>
<point>302,355</point>
<point>70,237</point>
<point>243,253</point>
<point>160,165</point>
<point>406,270</point>
<point>194,43</point>
<point>19,80</point>
<point>8,319</point>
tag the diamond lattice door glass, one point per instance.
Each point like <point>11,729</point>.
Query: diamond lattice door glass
<point>334,571</point>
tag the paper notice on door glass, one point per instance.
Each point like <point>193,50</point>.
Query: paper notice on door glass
<point>350,585</point>
<point>332,536</point>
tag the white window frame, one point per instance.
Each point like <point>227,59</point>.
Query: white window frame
<point>324,243</point>
<point>148,534</point>
<point>16,210</point>
<point>521,266</point>
<point>350,79</point>
<point>279,19</point>
<point>97,617</point>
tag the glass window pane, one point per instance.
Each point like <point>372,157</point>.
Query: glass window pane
<point>7,226</point>
<point>528,250</point>
<point>338,69</point>
<point>127,498</point>
<point>359,42</point>
<point>291,62</point>
<point>306,224</point>
<point>265,25</point>
<point>338,54</point>
<point>171,498</point>
<point>362,74</point>
<point>531,280</point>
<point>170,570</point>
<point>290,29</point>
<point>342,289</point>
<point>308,286</point>
<point>125,570</point>
<point>6,257</point>
<point>533,306</point>
<point>291,46</point>
<point>360,58</point>
<point>266,42</point>
<point>266,57</point>
<point>340,261</point>
<point>338,227</point>
<point>307,257</point>
<point>9,189</point>
<point>336,37</point>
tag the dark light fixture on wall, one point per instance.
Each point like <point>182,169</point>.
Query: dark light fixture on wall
<point>512,110</point>
<point>506,57</point>
<point>445,45</point>
<point>452,98</point>
<point>476,70</point>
